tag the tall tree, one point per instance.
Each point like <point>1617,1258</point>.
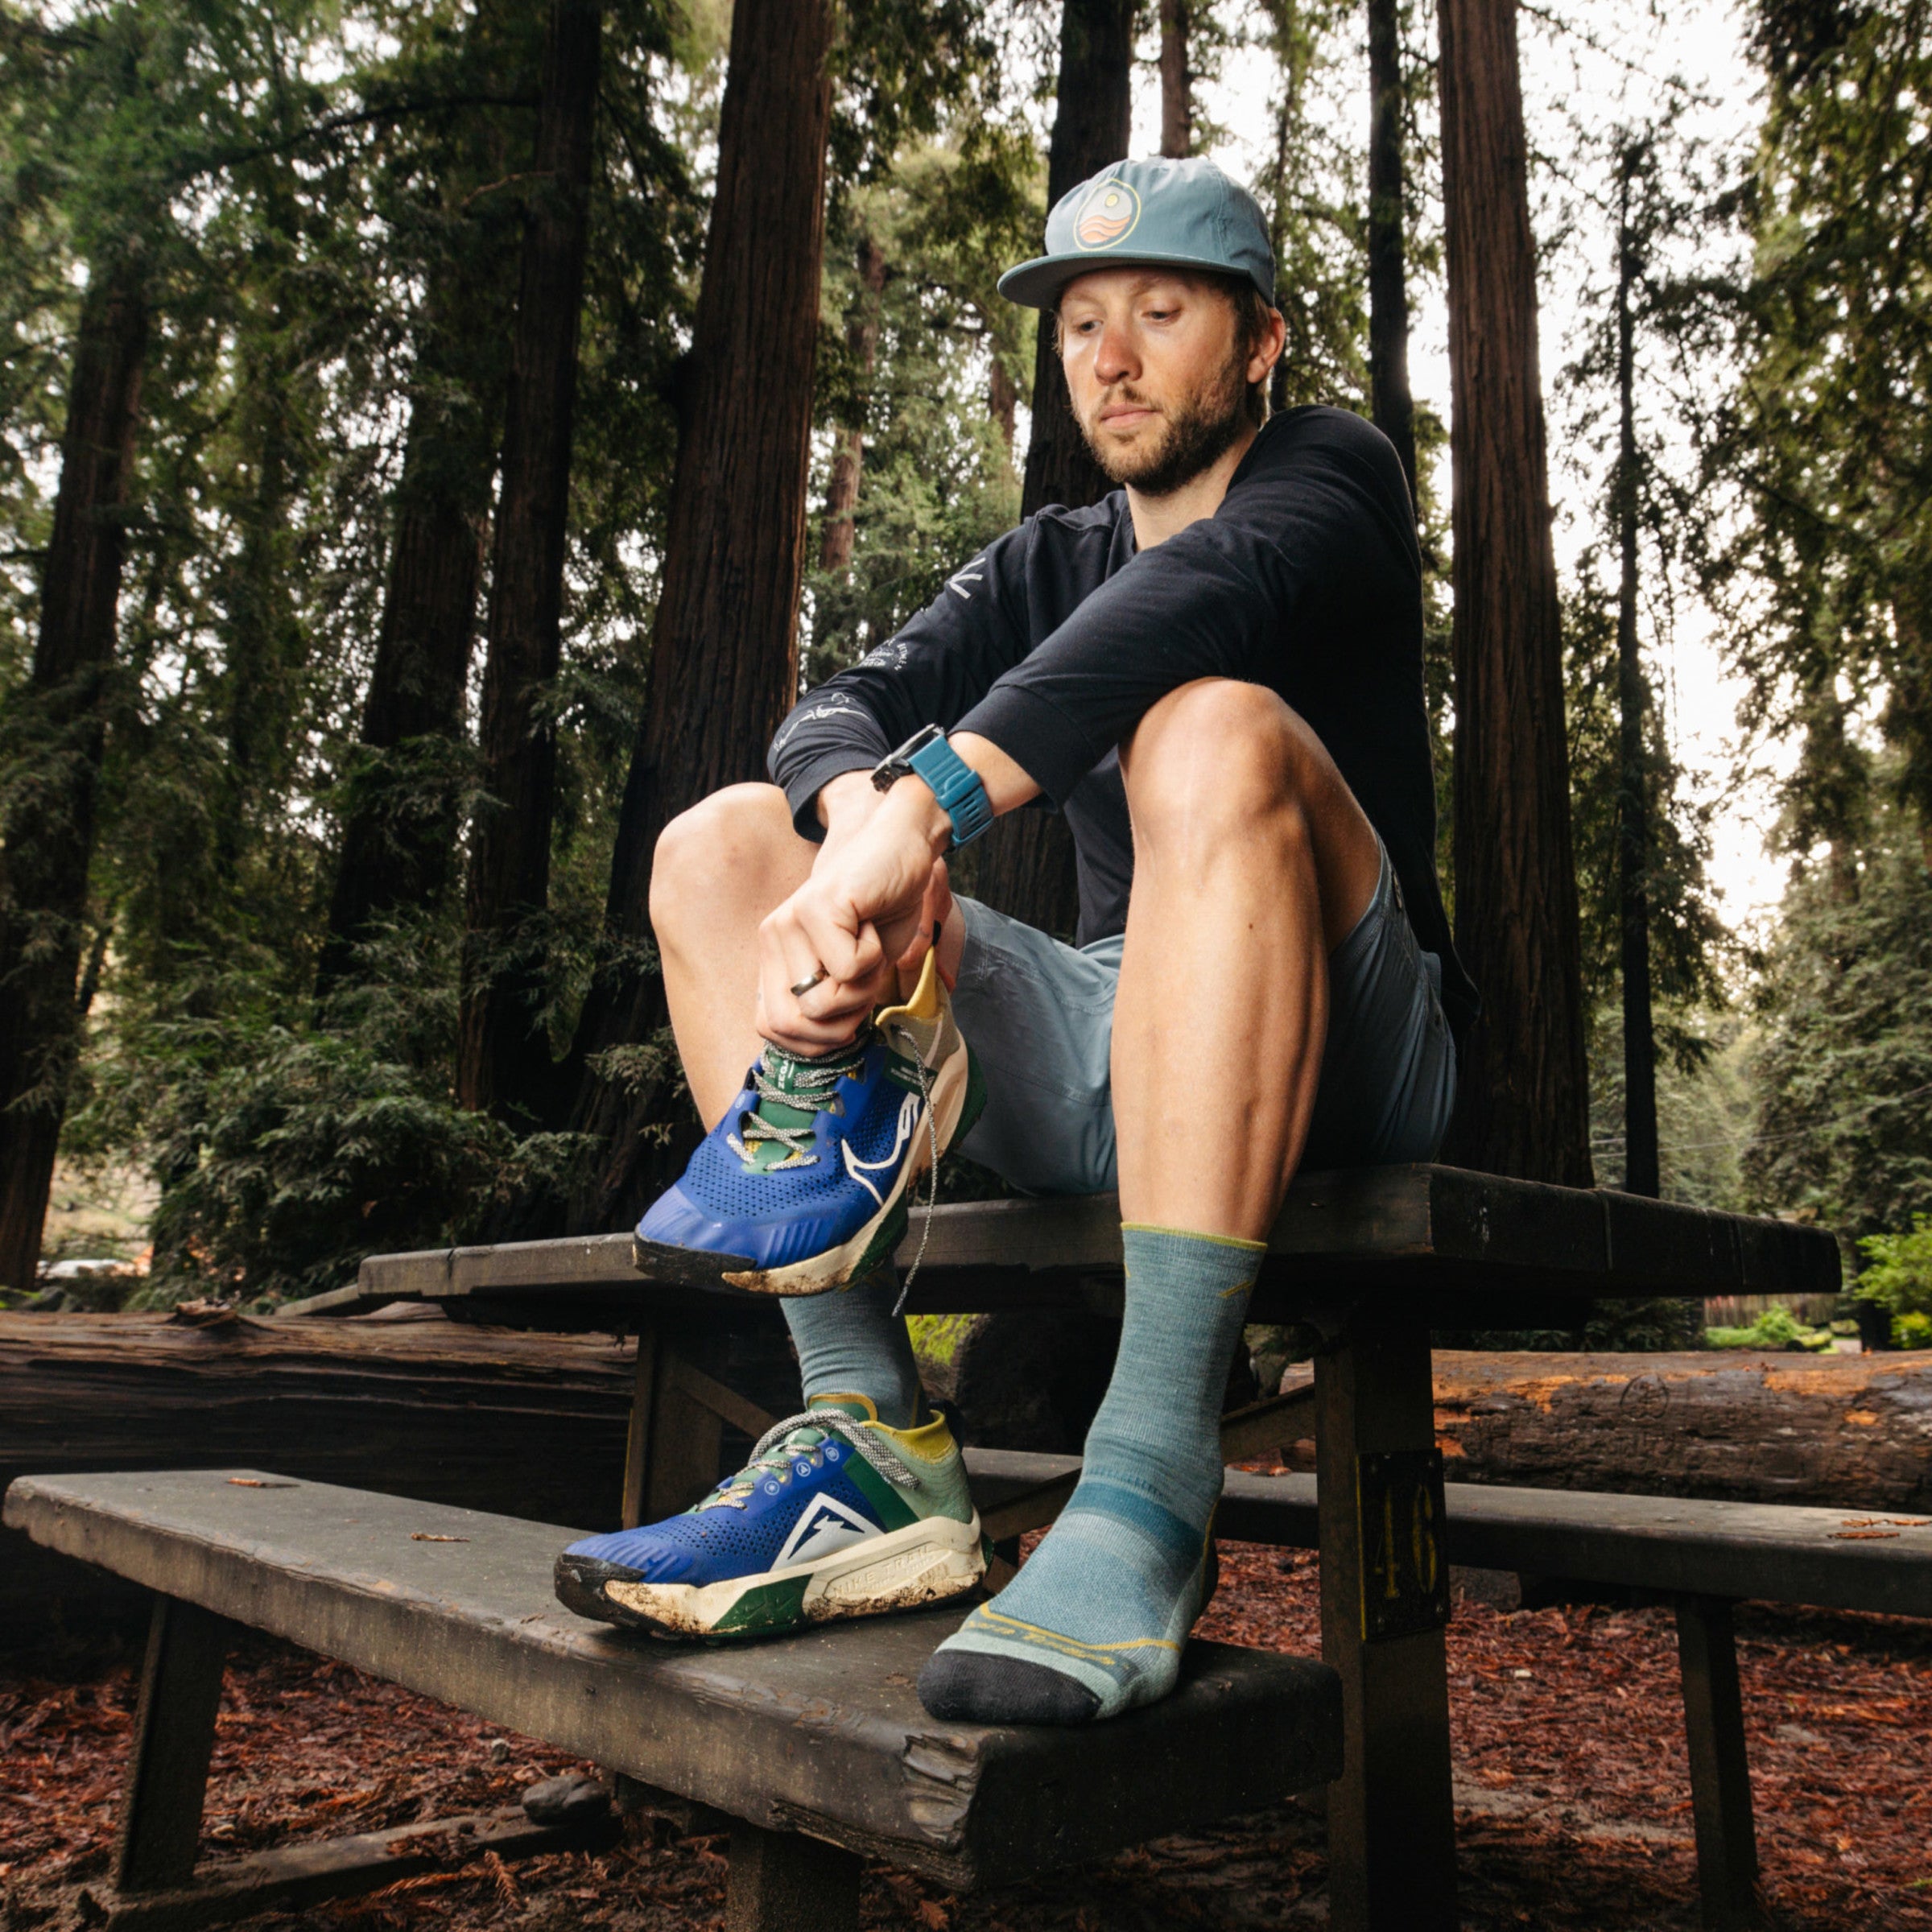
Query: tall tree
<point>401,787</point>
<point>1524,1105</point>
<point>1641,1166</point>
<point>505,1060</point>
<point>1025,866</point>
<point>1393,400</point>
<point>723,664</point>
<point>1177,81</point>
<point>54,733</point>
<point>848,442</point>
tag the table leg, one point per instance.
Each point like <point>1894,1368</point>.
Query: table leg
<point>782,1882</point>
<point>637,1441</point>
<point>1384,1606</point>
<point>174,1740</point>
<point>671,1449</point>
<point>1720,1773</point>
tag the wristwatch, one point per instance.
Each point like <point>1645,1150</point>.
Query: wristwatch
<point>954,783</point>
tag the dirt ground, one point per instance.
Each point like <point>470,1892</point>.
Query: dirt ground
<point>1572,1800</point>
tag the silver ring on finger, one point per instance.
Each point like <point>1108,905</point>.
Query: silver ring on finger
<point>805,986</point>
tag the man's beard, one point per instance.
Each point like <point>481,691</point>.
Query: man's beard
<point>1197,434</point>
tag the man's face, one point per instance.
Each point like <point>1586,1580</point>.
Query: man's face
<point>1158,371</point>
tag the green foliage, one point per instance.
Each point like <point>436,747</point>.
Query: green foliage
<point>1898,1276</point>
<point>1843,1130</point>
<point>1778,1328</point>
<point>1829,567</point>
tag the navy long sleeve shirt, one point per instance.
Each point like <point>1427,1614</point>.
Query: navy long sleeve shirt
<point>1057,639</point>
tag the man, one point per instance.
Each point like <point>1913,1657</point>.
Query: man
<point>1216,675</point>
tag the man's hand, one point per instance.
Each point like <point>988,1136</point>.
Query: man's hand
<point>875,893</point>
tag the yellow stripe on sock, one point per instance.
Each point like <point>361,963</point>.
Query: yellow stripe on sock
<point>1072,1645</point>
<point>1194,1234</point>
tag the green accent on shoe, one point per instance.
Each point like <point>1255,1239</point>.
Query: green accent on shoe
<point>765,1609</point>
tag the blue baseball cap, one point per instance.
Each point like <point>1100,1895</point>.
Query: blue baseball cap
<point>1172,214</point>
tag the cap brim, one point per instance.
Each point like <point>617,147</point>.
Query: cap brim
<point>1035,284</point>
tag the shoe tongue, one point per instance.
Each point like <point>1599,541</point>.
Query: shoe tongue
<point>855,1407</point>
<point>788,1073</point>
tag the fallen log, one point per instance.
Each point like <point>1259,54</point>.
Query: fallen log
<point>1832,1429</point>
<point>522,1424</point>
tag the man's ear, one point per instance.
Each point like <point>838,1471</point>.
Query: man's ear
<point>1267,351</point>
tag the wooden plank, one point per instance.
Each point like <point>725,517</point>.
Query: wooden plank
<point>726,1404</point>
<point>687,1435</point>
<point>822,1732</point>
<point>410,1277</point>
<point>1832,1559</point>
<point>1391,1819</point>
<point>782,1882</point>
<point>1720,1773</point>
<point>355,1299</point>
<point>1440,1231</point>
<point>297,1875</point>
<point>166,1774</point>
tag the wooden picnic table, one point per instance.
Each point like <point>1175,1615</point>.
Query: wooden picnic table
<point>1367,1260</point>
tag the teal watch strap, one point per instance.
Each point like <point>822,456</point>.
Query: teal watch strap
<point>957,787</point>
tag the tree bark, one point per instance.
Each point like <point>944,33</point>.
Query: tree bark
<point>1641,1161</point>
<point>1523,1107</point>
<point>400,832</point>
<point>1176,83</point>
<point>1003,401</point>
<point>1390,398</point>
<point>723,668</point>
<point>849,444</point>
<point>1025,865</point>
<point>504,1063</point>
<point>46,838</point>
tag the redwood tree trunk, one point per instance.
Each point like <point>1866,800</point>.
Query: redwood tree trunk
<point>47,837</point>
<point>1025,865</point>
<point>504,1063</point>
<point>399,833</point>
<point>1176,83</point>
<point>1523,1107</point>
<point>849,445</point>
<point>1641,1173</point>
<point>1389,394</point>
<point>725,666</point>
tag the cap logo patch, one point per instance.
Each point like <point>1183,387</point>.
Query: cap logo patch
<point>1107,216</point>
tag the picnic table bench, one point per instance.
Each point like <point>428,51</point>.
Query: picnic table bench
<point>1367,1261</point>
<point>815,1746</point>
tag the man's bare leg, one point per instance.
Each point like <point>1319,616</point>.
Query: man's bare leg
<point>718,870</point>
<point>1251,861</point>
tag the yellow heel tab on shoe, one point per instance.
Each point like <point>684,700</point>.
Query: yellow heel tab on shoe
<point>931,1442</point>
<point>926,996</point>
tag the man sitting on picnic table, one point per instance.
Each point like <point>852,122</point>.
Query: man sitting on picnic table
<point>1216,675</point>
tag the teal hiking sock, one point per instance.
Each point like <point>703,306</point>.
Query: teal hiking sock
<point>1094,1623</point>
<point>850,1342</point>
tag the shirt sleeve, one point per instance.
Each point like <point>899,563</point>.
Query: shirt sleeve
<point>1222,598</point>
<point>931,672</point>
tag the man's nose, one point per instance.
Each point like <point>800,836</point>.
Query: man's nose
<point>1114,360</point>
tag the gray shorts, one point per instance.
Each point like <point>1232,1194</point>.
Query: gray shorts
<point>1039,1014</point>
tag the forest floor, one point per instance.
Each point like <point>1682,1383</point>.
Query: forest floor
<point>1573,1808</point>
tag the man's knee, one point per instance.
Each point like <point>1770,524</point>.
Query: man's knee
<point>727,838</point>
<point>1216,754</point>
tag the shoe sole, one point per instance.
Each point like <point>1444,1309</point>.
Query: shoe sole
<point>926,1562</point>
<point>959,1099</point>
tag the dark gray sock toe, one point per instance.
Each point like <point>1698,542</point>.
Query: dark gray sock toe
<point>969,1687</point>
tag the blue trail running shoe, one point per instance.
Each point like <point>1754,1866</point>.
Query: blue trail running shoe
<point>837,1515</point>
<point>804,1183</point>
